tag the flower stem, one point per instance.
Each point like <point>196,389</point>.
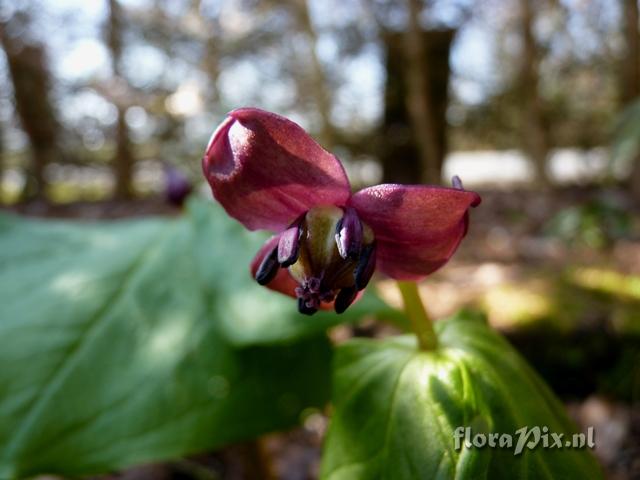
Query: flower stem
<point>414,308</point>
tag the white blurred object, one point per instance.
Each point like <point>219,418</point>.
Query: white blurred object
<point>509,167</point>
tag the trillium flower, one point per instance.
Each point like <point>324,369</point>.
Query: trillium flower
<point>268,173</point>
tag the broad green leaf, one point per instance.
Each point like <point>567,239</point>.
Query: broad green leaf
<point>396,410</point>
<point>114,351</point>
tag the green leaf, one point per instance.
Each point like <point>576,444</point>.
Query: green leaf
<point>114,347</point>
<point>396,410</point>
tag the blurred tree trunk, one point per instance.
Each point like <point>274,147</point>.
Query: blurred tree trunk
<point>211,60</point>
<point>318,82</point>
<point>2,160</point>
<point>124,158</point>
<point>418,99</point>
<point>631,74</point>
<point>631,63</point>
<point>211,67</point>
<point>401,157</point>
<point>32,82</point>
<point>536,135</point>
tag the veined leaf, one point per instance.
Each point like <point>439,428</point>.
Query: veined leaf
<point>113,349</point>
<point>396,411</point>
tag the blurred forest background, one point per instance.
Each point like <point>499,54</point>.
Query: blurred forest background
<point>534,103</point>
<point>98,96</point>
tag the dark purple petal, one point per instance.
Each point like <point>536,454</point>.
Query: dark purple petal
<point>289,246</point>
<point>417,228</point>
<point>266,170</point>
<point>349,234</point>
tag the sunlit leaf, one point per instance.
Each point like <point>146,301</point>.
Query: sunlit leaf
<point>115,347</point>
<point>396,410</point>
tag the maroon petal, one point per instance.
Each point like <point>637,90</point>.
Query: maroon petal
<point>417,227</point>
<point>266,171</point>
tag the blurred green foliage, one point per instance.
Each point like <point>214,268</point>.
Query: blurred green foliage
<point>626,135</point>
<point>132,341</point>
<point>587,318</point>
<point>595,224</point>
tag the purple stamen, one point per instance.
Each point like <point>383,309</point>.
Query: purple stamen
<point>331,254</point>
<point>304,308</point>
<point>310,295</point>
<point>289,246</point>
<point>349,234</point>
<point>345,297</point>
<point>268,268</point>
<point>313,284</point>
<point>456,182</point>
<point>366,266</point>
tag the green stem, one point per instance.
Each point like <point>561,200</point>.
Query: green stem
<point>414,308</point>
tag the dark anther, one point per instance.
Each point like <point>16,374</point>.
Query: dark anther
<point>289,246</point>
<point>456,182</point>
<point>366,266</point>
<point>268,268</point>
<point>349,234</point>
<point>345,297</point>
<point>306,307</point>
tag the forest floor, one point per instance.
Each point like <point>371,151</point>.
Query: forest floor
<point>557,273</point>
